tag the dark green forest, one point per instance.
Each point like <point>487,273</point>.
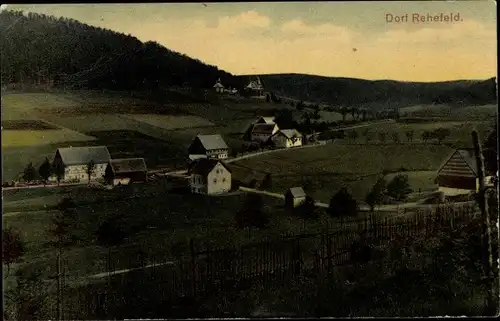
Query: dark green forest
<point>39,49</point>
<point>44,51</point>
<point>381,93</point>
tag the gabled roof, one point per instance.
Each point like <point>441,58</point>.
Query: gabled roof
<point>267,120</point>
<point>263,128</point>
<point>297,192</point>
<point>83,155</point>
<point>289,133</point>
<point>211,142</point>
<point>467,156</point>
<point>203,166</point>
<point>128,165</point>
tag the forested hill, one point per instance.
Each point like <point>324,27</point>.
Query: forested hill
<point>40,49</point>
<point>380,93</point>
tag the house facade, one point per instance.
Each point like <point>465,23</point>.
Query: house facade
<point>263,132</point>
<point>208,146</point>
<point>219,88</point>
<point>255,89</point>
<point>294,197</point>
<point>125,171</point>
<point>210,177</point>
<point>286,138</point>
<point>76,159</point>
<point>459,174</point>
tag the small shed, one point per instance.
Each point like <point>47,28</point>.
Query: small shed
<point>126,170</point>
<point>294,197</point>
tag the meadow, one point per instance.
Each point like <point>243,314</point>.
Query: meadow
<point>447,112</point>
<point>322,170</point>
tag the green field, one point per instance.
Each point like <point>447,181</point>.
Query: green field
<point>467,113</point>
<point>324,169</point>
<point>160,224</point>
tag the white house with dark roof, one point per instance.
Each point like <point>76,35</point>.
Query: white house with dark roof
<point>262,132</point>
<point>219,87</point>
<point>208,146</point>
<point>76,159</point>
<point>209,176</point>
<point>286,138</point>
<point>124,171</point>
<point>459,173</point>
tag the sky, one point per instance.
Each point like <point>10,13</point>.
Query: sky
<point>338,39</point>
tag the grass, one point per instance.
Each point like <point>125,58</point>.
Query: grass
<point>157,219</point>
<point>326,168</point>
<point>16,138</point>
<point>481,112</point>
<point>169,121</point>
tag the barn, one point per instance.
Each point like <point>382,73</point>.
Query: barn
<point>294,197</point>
<point>126,170</point>
<point>459,173</point>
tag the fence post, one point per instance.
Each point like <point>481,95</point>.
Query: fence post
<point>193,268</point>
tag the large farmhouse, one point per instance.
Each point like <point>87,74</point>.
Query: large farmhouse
<point>285,138</point>
<point>208,146</point>
<point>76,159</point>
<point>262,132</point>
<point>459,174</point>
<point>209,176</point>
<point>126,170</point>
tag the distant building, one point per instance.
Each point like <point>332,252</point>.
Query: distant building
<point>459,174</point>
<point>208,146</point>
<point>125,171</point>
<point>294,197</point>
<point>219,88</point>
<point>247,134</point>
<point>263,132</point>
<point>255,89</point>
<point>286,138</point>
<point>76,159</point>
<point>209,176</point>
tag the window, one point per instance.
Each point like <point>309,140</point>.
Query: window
<point>224,180</point>
<point>215,180</point>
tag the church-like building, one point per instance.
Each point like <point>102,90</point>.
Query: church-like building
<point>255,89</point>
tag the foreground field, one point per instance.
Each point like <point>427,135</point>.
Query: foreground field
<point>324,169</point>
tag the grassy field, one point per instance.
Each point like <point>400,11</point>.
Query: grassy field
<point>460,131</point>
<point>160,224</point>
<point>14,138</point>
<point>324,169</point>
<point>170,122</point>
<point>482,112</point>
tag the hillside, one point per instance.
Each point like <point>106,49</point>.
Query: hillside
<point>379,93</point>
<point>45,51</point>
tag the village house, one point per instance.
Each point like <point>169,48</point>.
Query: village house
<point>286,138</point>
<point>459,173</point>
<point>247,135</point>
<point>294,197</point>
<point>265,120</point>
<point>209,176</point>
<point>255,89</point>
<point>263,132</point>
<point>219,88</point>
<point>208,146</point>
<point>77,159</point>
<point>125,171</point>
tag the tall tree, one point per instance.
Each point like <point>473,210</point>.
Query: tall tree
<point>45,170</point>
<point>381,136</point>
<point>395,137</point>
<point>343,204</point>
<point>90,169</point>
<point>440,134</point>
<point>399,187</point>
<point>29,174</point>
<point>64,224</point>
<point>12,247</point>
<point>409,135</point>
<point>376,194</point>
<point>59,171</point>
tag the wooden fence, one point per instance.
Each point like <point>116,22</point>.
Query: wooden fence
<point>212,270</point>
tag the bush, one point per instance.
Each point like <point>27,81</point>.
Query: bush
<point>343,204</point>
